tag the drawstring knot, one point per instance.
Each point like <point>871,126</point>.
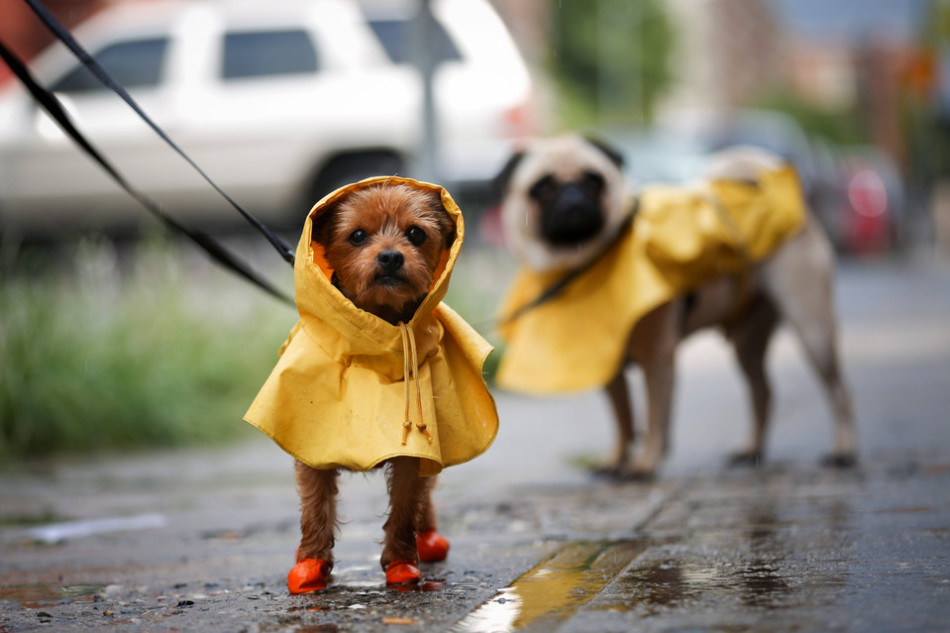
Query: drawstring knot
<point>411,364</point>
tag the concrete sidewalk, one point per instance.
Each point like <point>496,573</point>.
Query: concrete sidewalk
<point>791,547</point>
<point>204,539</point>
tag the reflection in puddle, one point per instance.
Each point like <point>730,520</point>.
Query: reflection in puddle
<point>34,595</point>
<point>751,566</point>
<point>662,584</point>
<point>759,581</point>
<point>555,589</point>
<point>751,575</point>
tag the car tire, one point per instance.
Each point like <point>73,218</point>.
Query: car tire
<point>345,169</point>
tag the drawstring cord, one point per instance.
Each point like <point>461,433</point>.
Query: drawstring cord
<point>409,348</point>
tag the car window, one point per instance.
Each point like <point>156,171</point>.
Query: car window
<point>394,35</point>
<point>267,53</point>
<point>133,64</point>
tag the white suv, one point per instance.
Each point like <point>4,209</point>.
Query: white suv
<point>279,102</point>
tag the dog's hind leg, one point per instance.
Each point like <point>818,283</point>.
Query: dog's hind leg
<point>425,517</point>
<point>799,280</point>
<point>751,337</point>
<point>819,341</point>
<point>430,545</point>
<point>618,394</point>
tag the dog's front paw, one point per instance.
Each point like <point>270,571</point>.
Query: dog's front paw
<point>607,471</point>
<point>625,472</point>
<point>308,575</point>
<point>839,460</point>
<point>637,474</point>
<point>400,572</point>
<point>746,459</point>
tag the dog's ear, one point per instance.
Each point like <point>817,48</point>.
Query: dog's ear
<point>446,225</point>
<point>502,181</point>
<point>611,152</point>
<point>323,225</point>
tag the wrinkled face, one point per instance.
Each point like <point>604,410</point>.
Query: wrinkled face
<point>384,244</point>
<point>564,200</point>
<point>570,210</point>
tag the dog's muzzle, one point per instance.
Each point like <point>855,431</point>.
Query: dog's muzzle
<point>571,217</point>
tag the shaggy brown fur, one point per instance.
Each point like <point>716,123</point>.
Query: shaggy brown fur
<point>384,245</point>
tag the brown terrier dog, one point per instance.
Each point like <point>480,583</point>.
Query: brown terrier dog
<point>384,245</point>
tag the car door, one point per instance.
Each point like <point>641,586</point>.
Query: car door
<point>55,175</point>
<point>288,87</point>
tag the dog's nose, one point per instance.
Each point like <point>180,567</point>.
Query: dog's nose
<point>572,217</point>
<point>390,261</point>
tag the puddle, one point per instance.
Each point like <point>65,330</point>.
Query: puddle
<point>554,590</point>
<point>31,596</point>
<point>58,532</point>
<point>756,564</point>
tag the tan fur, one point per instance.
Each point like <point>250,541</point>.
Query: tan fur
<point>564,158</point>
<point>385,213</point>
<point>793,285</point>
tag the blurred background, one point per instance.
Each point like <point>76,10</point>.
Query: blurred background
<point>114,335</point>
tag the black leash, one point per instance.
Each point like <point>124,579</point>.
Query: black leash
<point>52,105</point>
<point>66,38</point>
<point>560,284</point>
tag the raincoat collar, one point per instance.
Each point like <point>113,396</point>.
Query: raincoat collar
<point>363,332</point>
<point>340,394</point>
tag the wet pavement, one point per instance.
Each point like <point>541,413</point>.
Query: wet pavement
<point>201,540</point>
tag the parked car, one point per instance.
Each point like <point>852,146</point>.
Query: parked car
<point>279,102</point>
<point>873,207</point>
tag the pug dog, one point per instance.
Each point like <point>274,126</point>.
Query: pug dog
<point>564,202</point>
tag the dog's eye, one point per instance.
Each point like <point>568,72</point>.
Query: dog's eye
<point>358,237</point>
<point>542,186</point>
<point>415,235</point>
<point>593,180</point>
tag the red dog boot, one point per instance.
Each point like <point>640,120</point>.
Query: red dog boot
<point>308,575</point>
<point>432,546</point>
<point>401,572</point>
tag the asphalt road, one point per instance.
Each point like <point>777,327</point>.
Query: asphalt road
<point>202,540</point>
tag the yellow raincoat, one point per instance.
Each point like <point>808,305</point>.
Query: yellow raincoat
<point>679,239</point>
<point>338,396</point>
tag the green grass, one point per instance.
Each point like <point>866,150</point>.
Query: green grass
<point>163,350</point>
<point>153,346</point>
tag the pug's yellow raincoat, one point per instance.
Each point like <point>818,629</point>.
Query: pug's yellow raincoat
<point>679,239</point>
<point>338,396</point>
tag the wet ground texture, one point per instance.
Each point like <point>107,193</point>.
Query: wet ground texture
<point>202,540</point>
<point>790,547</point>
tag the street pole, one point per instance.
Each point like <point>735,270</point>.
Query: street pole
<point>425,161</point>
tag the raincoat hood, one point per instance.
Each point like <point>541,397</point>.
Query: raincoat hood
<point>339,394</point>
<point>679,239</point>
